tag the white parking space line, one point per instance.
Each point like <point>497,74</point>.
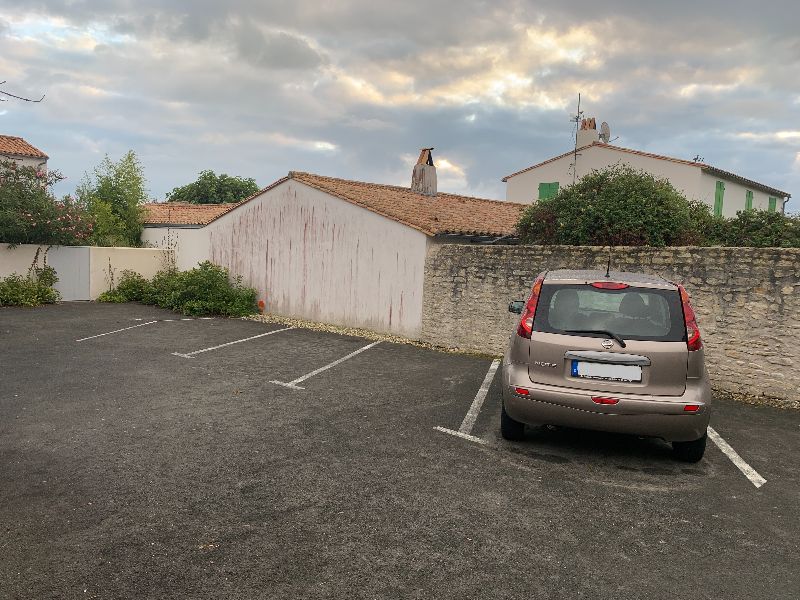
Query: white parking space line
<point>749,472</point>
<point>462,435</point>
<point>293,384</point>
<point>247,339</point>
<point>472,414</point>
<point>91,337</point>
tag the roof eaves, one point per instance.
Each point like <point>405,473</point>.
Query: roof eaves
<point>549,160</point>
<point>748,182</point>
<point>249,198</point>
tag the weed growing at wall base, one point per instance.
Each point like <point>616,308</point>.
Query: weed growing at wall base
<point>204,290</point>
<point>34,289</point>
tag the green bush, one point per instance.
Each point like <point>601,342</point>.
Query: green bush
<point>34,290</point>
<point>617,206</point>
<point>759,229</point>
<point>133,287</point>
<point>204,290</point>
<point>112,296</point>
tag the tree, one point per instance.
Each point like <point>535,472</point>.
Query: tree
<point>114,195</point>
<point>30,214</point>
<point>616,206</point>
<point>214,189</point>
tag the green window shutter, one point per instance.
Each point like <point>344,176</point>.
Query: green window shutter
<point>548,190</point>
<point>773,204</point>
<point>748,201</point>
<point>719,196</point>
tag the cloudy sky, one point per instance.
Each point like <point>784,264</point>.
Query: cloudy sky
<point>353,88</point>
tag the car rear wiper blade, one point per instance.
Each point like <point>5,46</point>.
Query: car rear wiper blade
<point>610,334</point>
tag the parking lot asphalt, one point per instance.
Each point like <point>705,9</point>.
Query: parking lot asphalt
<point>129,471</point>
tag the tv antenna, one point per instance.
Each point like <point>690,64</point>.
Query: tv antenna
<point>577,120</point>
<point>698,158</point>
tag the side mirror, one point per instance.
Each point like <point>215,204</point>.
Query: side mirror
<point>516,306</point>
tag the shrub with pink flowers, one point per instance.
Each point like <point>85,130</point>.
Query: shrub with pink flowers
<point>30,214</point>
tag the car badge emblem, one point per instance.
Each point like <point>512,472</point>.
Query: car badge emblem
<point>607,344</point>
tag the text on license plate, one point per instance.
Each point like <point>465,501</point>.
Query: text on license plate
<point>607,372</point>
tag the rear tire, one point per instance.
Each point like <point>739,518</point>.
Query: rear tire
<point>690,451</point>
<point>509,428</point>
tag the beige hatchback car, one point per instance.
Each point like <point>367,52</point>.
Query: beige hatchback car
<point>618,352</point>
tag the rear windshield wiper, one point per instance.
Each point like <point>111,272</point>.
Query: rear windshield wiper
<point>618,339</point>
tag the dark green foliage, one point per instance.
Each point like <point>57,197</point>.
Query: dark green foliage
<point>30,214</point>
<point>620,206</point>
<point>759,229</point>
<point>133,287</point>
<point>617,206</point>
<point>204,290</point>
<point>34,289</point>
<point>214,189</point>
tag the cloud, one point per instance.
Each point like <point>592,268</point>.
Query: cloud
<point>347,88</point>
<point>275,49</point>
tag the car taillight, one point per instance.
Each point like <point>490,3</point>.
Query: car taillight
<point>604,400</point>
<point>525,326</point>
<point>609,285</point>
<point>693,340</point>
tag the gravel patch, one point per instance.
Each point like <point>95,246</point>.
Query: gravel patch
<point>363,333</point>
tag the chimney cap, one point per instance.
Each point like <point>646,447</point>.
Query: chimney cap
<point>425,157</point>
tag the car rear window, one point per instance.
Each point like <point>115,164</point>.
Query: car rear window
<point>633,313</point>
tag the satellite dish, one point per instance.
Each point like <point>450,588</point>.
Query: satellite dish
<point>605,132</point>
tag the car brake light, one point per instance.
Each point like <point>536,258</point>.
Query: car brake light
<point>525,326</point>
<point>693,340</point>
<point>521,391</point>
<point>691,408</point>
<point>602,400</point>
<point>609,285</point>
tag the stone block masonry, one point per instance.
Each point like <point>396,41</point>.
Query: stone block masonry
<point>746,301</point>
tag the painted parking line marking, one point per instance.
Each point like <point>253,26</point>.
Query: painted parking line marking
<point>472,414</point>
<point>748,471</point>
<point>247,339</point>
<point>463,435</point>
<point>91,337</point>
<point>293,384</point>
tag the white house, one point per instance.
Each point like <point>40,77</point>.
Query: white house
<point>333,250</point>
<point>17,150</point>
<point>726,193</point>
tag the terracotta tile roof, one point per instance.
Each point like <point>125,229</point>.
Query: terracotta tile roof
<point>433,215</point>
<point>16,146</point>
<point>184,213</point>
<point>710,169</point>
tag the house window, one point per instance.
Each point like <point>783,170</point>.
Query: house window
<point>548,190</point>
<point>748,200</point>
<point>719,195</point>
<point>773,204</point>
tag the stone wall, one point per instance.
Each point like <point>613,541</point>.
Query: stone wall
<point>746,301</point>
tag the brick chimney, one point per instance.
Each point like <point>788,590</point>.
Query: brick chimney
<point>423,180</point>
<point>588,132</point>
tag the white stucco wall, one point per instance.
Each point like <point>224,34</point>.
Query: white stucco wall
<point>83,271</point>
<point>107,262</point>
<point>735,195</point>
<point>691,181</point>
<point>26,161</point>
<point>314,256</point>
<point>525,186</point>
<point>191,246</point>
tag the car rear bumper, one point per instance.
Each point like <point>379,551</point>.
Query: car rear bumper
<point>651,416</point>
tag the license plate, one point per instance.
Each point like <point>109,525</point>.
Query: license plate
<point>606,372</point>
